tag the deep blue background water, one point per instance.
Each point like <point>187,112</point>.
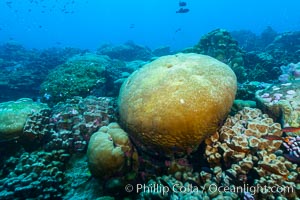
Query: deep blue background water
<point>90,23</point>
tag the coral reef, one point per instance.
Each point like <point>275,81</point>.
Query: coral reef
<point>22,70</point>
<point>264,63</point>
<point>79,76</point>
<point>13,116</point>
<point>292,145</point>
<point>266,53</point>
<point>75,121</point>
<point>261,66</point>
<point>251,42</point>
<point>285,48</point>
<point>248,146</point>
<point>291,72</point>
<point>37,125</point>
<point>36,175</point>
<point>247,90</point>
<point>282,102</point>
<point>172,110</point>
<point>126,52</point>
<point>220,45</point>
<point>79,180</point>
<point>162,105</point>
<point>239,104</point>
<point>191,185</point>
<point>162,51</point>
<point>116,74</point>
<point>112,157</point>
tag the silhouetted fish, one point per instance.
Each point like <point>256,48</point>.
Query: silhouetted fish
<point>8,3</point>
<point>182,3</point>
<point>183,10</point>
<point>177,30</point>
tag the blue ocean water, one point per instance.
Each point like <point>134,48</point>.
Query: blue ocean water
<point>153,23</point>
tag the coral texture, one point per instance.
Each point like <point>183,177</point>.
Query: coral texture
<point>126,52</point>
<point>37,125</point>
<point>111,154</point>
<point>248,146</point>
<point>190,185</point>
<point>281,101</point>
<point>170,105</point>
<point>72,123</point>
<point>290,72</point>
<point>79,76</point>
<point>13,115</point>
<point>220,45</point>
<point>36,175</point>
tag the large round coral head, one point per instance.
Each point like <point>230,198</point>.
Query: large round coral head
<point>172,104</point>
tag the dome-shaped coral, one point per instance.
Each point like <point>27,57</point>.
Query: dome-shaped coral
<point>110,153</point>
<point>171,104</point>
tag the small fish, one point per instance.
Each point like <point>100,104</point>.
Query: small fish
<point>8,3</point>
<point>272,137</point>
<point>177,30</point>
<point>182,3</point>
<point>291,129</point>
<point>272,170</point>
<point>183,10</point>
<point>131,26</point>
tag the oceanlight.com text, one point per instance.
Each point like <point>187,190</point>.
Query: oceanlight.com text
<point>189,188</point>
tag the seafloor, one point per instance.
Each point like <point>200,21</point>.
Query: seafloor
<point>67,133</point>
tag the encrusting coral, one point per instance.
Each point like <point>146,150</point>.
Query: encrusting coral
<point>13,115</point>
<point>73,122</point>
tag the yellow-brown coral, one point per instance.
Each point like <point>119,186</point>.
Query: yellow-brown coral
<point>172,104</point>
<point>110,153</point>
